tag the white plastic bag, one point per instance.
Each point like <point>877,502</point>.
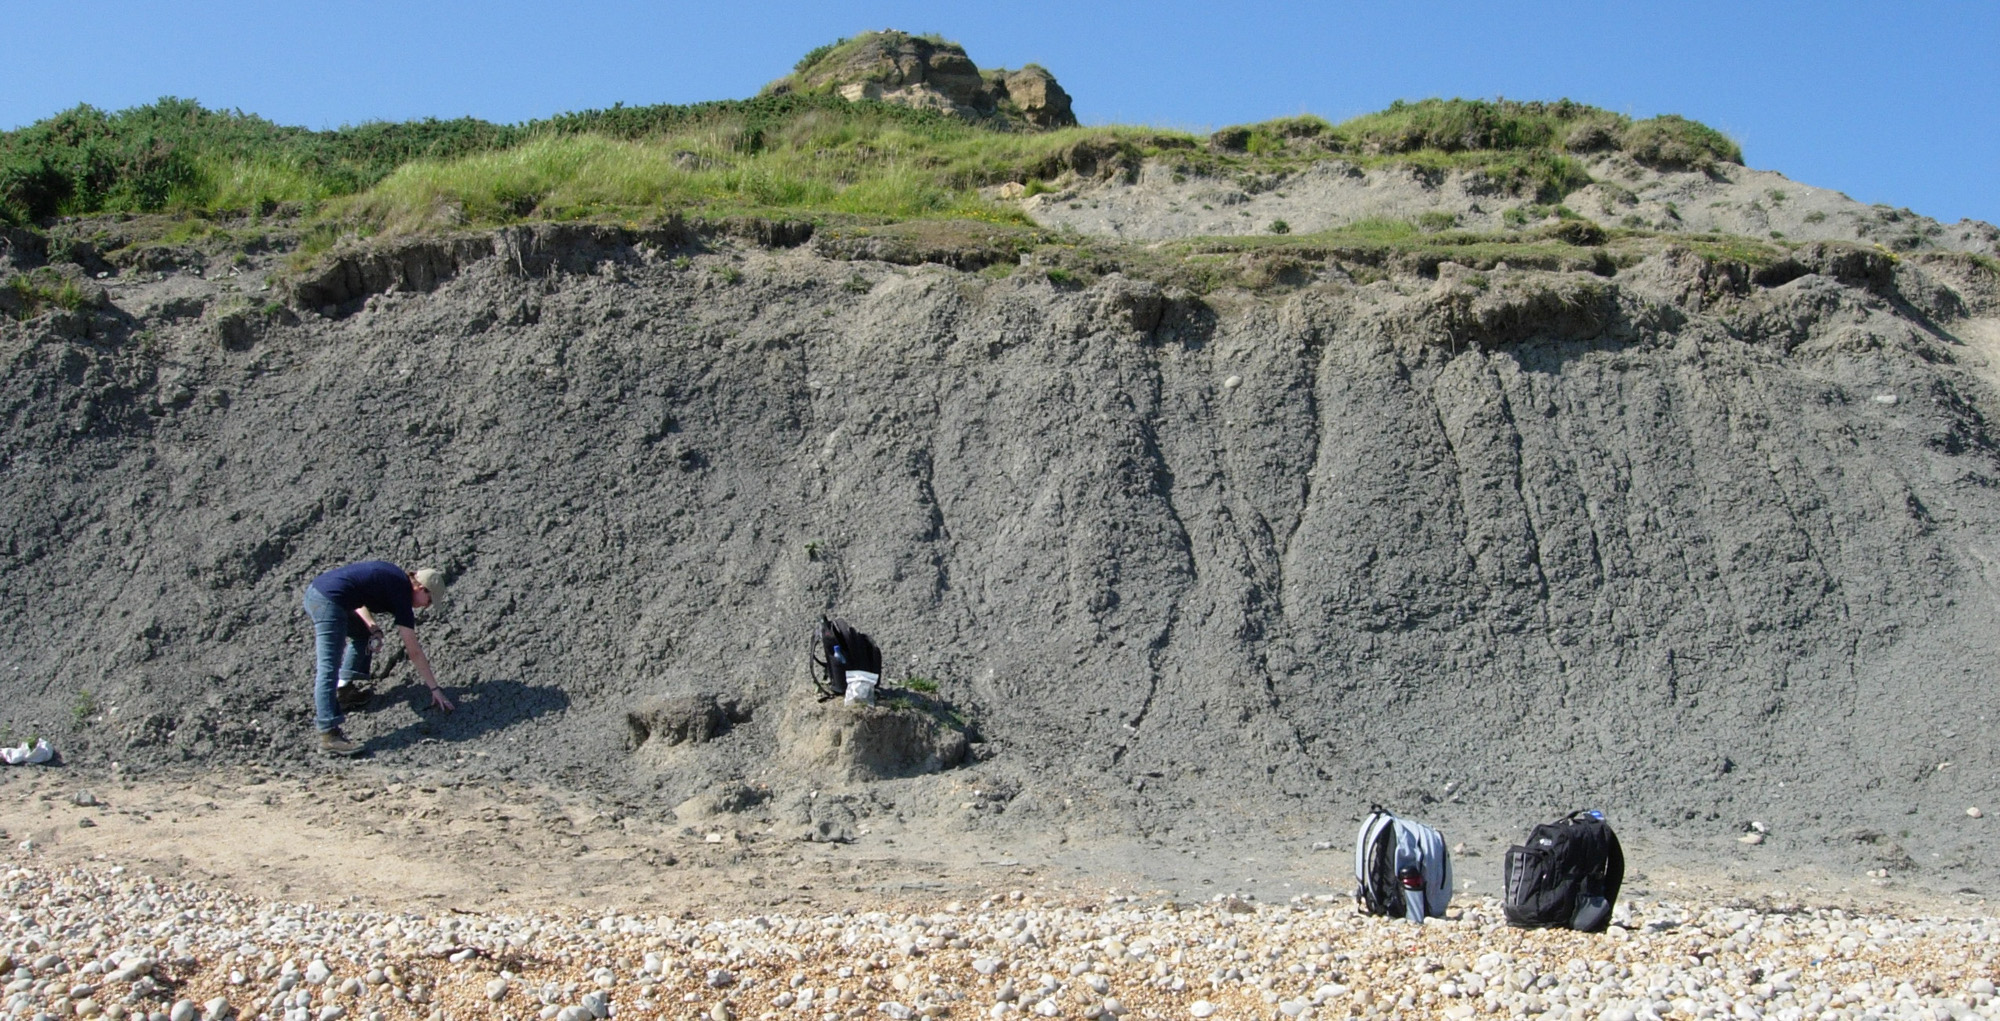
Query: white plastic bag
<point>27,755</point>
<point>861,686</point>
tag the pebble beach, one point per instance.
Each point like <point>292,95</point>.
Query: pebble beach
<point>98,940</point>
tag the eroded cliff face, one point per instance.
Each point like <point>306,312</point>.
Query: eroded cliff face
<point>1674,542</point>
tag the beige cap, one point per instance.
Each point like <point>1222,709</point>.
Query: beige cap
<point>432,580</point>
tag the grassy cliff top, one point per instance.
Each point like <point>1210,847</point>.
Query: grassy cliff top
<point>798,154</point>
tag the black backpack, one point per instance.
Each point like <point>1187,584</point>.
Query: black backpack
<point>1566,875</point>
<point>841,648</point>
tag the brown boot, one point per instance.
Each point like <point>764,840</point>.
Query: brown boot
<point>333,742</point>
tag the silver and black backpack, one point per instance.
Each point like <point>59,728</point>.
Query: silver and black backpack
<point>1401,867</point>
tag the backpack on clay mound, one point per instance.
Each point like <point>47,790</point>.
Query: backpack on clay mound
<point>1401,867</point>
<point>845,655</point>
<point>1566,875</point>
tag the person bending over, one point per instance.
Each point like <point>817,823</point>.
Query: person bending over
<point>343,603</point>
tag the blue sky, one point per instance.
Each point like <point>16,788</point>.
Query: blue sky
<point>1889,102</point>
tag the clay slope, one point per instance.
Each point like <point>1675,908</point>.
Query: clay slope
<point>1693,545</point>
<point>1158,200</point>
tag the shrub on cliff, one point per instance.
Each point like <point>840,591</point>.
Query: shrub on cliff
<point>1456,127</point>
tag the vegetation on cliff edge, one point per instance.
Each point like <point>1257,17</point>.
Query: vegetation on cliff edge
<point>795,155</point>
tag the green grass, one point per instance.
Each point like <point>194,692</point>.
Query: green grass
<point>174,154</point>
<point>83,708</point>
<point>798,154</point>
<point>33,293</point>
<point>1723,248</point>
<point>1674,142</point>
<point>1436,220</point>
<point>917,700</point>
<point>843,170</point>
<point>1470,125</point>
<point>1523,146</point>
<point>1365,251</point>
<point>851,167</point>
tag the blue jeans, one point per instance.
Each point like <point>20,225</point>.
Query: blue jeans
<point>340,653</point>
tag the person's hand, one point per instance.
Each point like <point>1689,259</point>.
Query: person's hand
<point>438,699</point>
<point>374,641</point>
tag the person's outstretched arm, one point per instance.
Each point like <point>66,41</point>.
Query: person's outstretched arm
<point>423,665</point>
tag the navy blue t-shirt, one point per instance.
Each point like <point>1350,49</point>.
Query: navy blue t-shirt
<point>379,585</point>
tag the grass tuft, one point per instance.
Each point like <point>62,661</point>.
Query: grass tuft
<point>83,708</point>
<point>1674,142</point>
<point>33,293</point>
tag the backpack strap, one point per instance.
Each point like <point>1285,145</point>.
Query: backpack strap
<point>1375,862</point>
<point>820,670</point>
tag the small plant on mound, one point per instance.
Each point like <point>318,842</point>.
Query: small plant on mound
<point>817,54</point>
<point>1674,142</point>
<point>30,294</point>
<point>912,699</point>
<point>83,708</point>
<point>1466,125</point>
<point>1436,220</point>
<point>1519,147</point>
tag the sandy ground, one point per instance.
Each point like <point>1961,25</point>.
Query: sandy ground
<point>1982,335</point>
<point>364,838</point>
